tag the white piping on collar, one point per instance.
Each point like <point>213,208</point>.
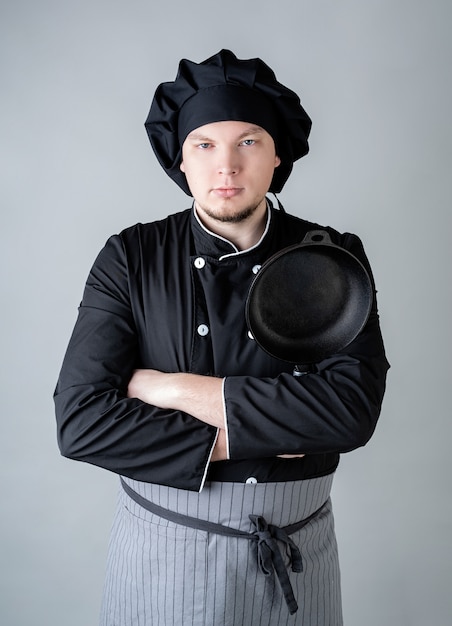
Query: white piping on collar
<point>237,251</point>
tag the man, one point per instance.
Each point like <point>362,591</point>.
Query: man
<point>226,455</point>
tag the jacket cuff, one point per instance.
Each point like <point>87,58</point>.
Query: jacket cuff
<point>203,480</point>
<point>225,415</point>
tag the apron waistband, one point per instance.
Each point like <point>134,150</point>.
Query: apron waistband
<point>266,535</point>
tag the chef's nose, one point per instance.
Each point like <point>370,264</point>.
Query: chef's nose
<point>228,162</point>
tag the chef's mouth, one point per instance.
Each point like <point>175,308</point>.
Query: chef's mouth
<point>227,192</point>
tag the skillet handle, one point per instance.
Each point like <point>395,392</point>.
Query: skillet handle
<point>316,236</point>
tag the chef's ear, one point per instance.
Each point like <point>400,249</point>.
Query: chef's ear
<point>277,161</point>
<point>182,167</point>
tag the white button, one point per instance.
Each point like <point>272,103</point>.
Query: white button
<point>199,262</point>
<point>251,480</point>
<point>256,268</point>
<point>203,330</point>
<point>250,335</point>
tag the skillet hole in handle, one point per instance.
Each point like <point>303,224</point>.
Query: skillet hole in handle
<point>317,236</point>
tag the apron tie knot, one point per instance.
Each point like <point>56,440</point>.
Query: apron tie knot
<point>270,557</point>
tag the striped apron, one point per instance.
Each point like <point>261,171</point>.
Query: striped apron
<point>163,573</point>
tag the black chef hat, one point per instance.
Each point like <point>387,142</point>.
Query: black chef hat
<point>226,88</point>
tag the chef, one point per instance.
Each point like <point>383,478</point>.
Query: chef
<point>226,456</point>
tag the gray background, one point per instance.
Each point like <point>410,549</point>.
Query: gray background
<point>77,79</point>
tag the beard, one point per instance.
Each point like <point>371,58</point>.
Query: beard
<point>231,218</point>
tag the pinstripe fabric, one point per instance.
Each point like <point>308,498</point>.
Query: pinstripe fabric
<point>163,574</point>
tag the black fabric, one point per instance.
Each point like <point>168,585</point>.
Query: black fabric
<point>226,102</point>
<point>142,304</point>
<point>218,89</point>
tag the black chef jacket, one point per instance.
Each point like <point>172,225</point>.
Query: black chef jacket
<point>170,296</point>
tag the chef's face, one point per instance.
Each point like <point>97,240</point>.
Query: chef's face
<point>229,167</point>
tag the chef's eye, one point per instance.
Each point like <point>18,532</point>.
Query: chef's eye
<point>204,145</point>
<point>248,142</point>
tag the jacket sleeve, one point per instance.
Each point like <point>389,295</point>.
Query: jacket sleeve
<point>333,408</point>
<point>96,422</point>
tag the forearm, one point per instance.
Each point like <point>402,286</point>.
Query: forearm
<point>133,439</point>
<point>333,409</point>
<point>200,396</point>
<point>98,424</point>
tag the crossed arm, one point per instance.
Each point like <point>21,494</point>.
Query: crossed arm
<point>169,420</point>
<point>200,396</point>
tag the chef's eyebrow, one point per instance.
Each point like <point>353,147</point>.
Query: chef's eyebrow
<point>252,130</point>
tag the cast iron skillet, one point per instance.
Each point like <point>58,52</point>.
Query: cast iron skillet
<point>309,300</point>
